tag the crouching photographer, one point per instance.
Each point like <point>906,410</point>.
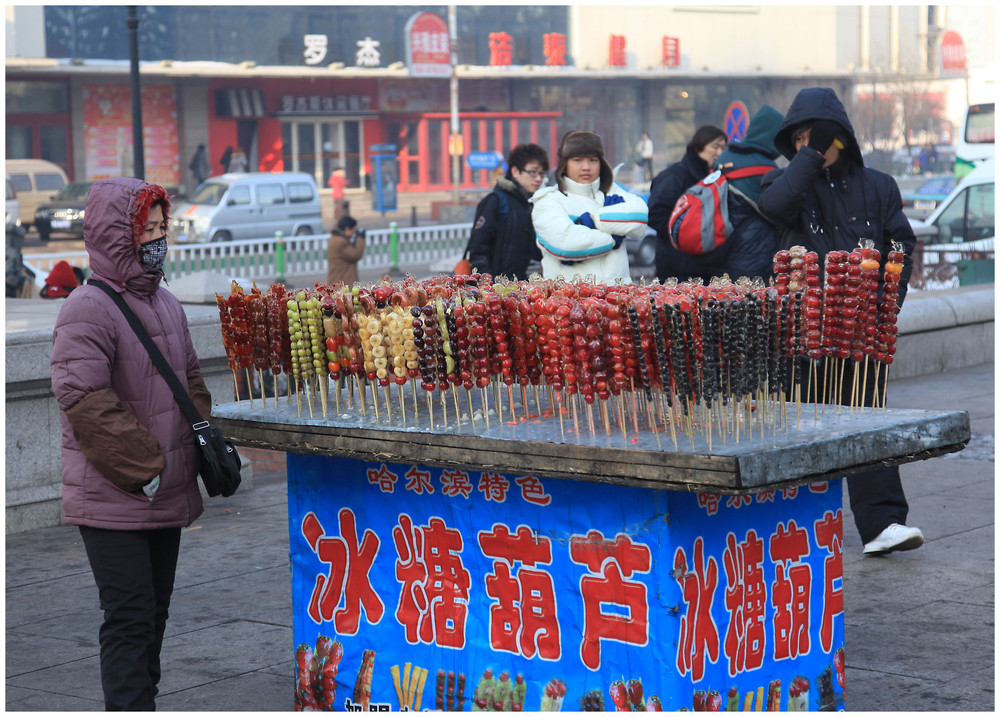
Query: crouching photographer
<point>344,250</point>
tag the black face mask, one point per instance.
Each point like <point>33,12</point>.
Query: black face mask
<point>153,254</point>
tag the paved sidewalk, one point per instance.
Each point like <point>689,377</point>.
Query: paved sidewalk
<point>920,625</point>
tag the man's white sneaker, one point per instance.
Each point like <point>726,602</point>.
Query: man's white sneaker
<point>895,537</point>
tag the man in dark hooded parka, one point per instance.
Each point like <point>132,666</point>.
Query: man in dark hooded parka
<point>826,199</point>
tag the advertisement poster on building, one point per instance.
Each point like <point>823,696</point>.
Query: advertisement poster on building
<point>458,589</point>
<point>108,149</point>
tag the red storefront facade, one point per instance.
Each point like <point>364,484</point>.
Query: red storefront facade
<point>316,125</point>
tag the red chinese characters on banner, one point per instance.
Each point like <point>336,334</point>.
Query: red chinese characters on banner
<point>419,481</point>
<point>532,490</point>
<point>554,48</point>
<point>790,591</point>
<point>746,601</point>
<point>493,486</point>
<point>384,478</point>
<point>830,535</point>
<point>455,483</point>
<point>500,48</point>
<point>523,618</point>
<point>434,593</point>
<point>699,637</point>
<point>710,502</point>
<point>671,51</point>
<point>613,561</point>
<point>348,577</point>
<point>616,51</point>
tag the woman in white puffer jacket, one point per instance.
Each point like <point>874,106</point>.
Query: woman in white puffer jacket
<point>581,223</point>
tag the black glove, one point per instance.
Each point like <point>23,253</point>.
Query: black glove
<point>822,134</point>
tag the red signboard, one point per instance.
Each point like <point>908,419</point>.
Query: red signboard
<point>428,52</point>
<point>107,133</point>
<point>671,51</point>
<point>616,51</point>
<point>554,47</point>
<point>952,55</point>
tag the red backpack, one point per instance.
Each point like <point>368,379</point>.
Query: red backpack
<point>700,222</point>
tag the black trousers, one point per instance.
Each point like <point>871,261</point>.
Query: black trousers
<point>876,496</point>
<point>134,571</point>
<point>647,168</point>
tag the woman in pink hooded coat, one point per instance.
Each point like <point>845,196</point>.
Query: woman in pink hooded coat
<point>129,459</point>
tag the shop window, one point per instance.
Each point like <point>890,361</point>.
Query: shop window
<point>36,98</point>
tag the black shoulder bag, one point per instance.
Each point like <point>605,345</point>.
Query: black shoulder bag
<point>220,463</point>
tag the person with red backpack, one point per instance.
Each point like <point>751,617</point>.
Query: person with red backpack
<point>749,248</point>
<point>668,186</point>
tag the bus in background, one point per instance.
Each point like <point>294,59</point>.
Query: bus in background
<point>976,141</point>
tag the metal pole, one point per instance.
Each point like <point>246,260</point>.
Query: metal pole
<point>138,159</point>
<point>455,154</point>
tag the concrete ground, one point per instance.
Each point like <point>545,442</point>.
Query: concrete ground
<point>919,625</point>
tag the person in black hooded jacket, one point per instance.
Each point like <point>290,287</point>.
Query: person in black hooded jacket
<point>826,199</point>
<point>702,151</point>
<point>503,237</point>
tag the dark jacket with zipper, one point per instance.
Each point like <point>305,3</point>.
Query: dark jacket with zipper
<point>504,244</point>
<point>833,208</point>
<point>666,188</point>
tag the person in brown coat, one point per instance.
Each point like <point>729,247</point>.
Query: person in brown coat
<point>343,252</point>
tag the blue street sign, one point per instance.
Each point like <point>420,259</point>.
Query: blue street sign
<point>484,160</point>
<point>736,121</point>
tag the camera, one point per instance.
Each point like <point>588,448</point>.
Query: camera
<point>360,232</point>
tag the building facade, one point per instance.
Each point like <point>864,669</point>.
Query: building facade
<point>314,88</point>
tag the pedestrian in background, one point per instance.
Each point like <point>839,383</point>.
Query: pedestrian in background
<point>581,223</point>
<point>199,166</point>
<point>238,162</point>
<point>129,460</point>
<point>826,199</point>
<point>645,151</point>
<point>344,249</point>
<point>224,160</point>
<point>699,159</point>
<point>337,183</point>
<point>503,238</point>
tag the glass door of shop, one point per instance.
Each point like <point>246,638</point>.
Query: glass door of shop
<point>320,146</point>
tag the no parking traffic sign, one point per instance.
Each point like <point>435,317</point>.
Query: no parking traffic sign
<point>736,121</point>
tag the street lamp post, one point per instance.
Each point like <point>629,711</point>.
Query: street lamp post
<point>455,143</point>
<point>138,160</point>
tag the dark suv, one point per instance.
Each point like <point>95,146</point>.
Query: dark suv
<point>63,214</point>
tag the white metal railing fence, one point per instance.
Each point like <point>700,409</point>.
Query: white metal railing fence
<point>301,255</point>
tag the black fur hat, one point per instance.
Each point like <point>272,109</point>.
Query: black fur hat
<point>584,143</point>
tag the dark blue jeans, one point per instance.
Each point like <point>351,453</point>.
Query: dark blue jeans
<point>134,572</point>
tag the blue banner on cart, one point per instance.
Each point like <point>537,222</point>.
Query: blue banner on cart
<point>452,589</point>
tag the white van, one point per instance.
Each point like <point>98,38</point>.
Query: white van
<point>36,182</point>
<point>966,219</point>
<point>248,206</point>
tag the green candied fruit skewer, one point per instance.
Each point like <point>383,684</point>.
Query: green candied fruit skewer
<point>295,336</point>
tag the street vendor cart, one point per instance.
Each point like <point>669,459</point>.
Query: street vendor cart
<point>537,567</point>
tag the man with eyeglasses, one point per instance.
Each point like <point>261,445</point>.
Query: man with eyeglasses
<point>503,238</point>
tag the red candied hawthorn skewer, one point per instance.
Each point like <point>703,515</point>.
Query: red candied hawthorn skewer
<point>813,313</point>
<point>229,340</point>
<point>257,328</point>
<point>867,327</point>
<point>279,342</point>
<point>833,296</point>
<point>851,339</point>
<point>241,333</point>
<point>885,340</point>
